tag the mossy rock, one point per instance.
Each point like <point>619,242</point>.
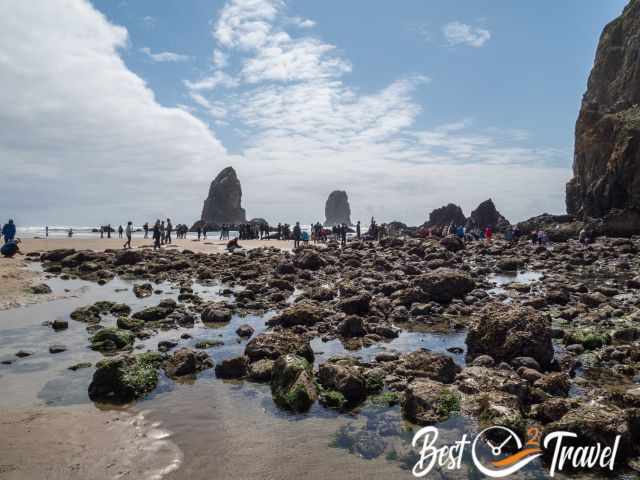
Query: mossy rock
<point>333,399</point>
<point>88,314</point>
<point>448,403</point>
<point>111,339</point>
<point>292,384</point>
<point>386,399</point>
<point>125,378</point>
<point>127,323</point>
<point>589,339</point>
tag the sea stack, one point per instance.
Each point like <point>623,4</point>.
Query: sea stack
<point>223,203</point>
<point>337,210</point>
<point>486,215</point>
<point>606,162</point>
<point>445,216</point>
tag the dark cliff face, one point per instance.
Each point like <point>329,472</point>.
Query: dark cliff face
<point>444,216</point>
<point>223,203</point>
<point>337,209</point>
<point>606,163</point>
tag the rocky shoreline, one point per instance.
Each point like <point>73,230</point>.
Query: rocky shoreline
<point>558,352</point>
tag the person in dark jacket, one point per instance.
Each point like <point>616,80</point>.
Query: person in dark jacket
<point>297,235</point>
<point>157,235</point>
<point>9,231</point>
<point>9,249</point>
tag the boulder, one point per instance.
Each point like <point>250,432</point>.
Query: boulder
<point>111,339</point>
<point>187,362</point>
<point>445,284</point>
<point>215,313</point>
<point>292,384</point>
<point>453,243</point>
<point>510,332</point>
<point>302,313</point>
<point>122,379</point>
<point>309,260</point>
<point>232,367</point>
<point>426,402</point>
<point>344,376</point>
<point>274,345</point>
<point>162,310</point>
<point>445,216</point>
<point>128,257</point>
<point>427,364</point>
<point>356,304</point>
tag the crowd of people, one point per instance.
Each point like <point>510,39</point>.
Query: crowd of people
<point>161,233</point>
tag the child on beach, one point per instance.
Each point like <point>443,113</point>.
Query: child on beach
<point>11,248</point>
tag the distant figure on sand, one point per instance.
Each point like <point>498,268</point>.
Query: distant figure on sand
<point>145,227</point>
<point>120,231</point>
<point>11,248</point>
<point>358,230</point>
<point>46,231</point>
<point>109,230</point>
<point>167,238</point>
<point>297,234</point>
<point>9,231</point>
<point>128,232</point>
<point>156,235</point>
<point>70,233</point>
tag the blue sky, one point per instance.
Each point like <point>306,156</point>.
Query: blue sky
<point>406,105</point>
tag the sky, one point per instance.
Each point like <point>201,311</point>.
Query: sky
<point>113,110</point>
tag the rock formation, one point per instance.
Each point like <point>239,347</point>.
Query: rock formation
<point>337,209</point>
<point>606,163</point>
<point>446,215</point>
<point>223,203</point>
<point>486,215</point>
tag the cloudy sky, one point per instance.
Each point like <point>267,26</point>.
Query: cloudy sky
<point>127,109</point>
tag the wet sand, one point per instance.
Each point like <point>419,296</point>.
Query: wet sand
<point>81,443</point>
<point>97,244</point>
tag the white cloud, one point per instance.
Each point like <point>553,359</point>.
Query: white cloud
<point>83,138</point>
<point>217,79</point>
<point>457,33</point>
<point>164,56</point>
<point>220,59</point>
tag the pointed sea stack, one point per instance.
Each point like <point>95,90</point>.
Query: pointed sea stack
<point>445,216</point>
<point>337,210</point>
<point>223,203</point>
<point>486,215</point>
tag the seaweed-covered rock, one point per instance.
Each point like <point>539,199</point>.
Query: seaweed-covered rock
<point>292,384</point>
<point>426,364</point>
<point>511,332</point>
<point>111,339</point>
<point>344,376</point>
<point>143,290</point>
<point>162,310</point>
<point>301,313</point>
<point>128,257</point>
<point>124,378</point>
<point>273,345</point>
<point>215,313</point>
<point>355,304</point>
<point>426,402</point>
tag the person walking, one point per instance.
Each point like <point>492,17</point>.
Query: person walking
<point>157,235</point>
<point>358,230</point>
<point>488,233</point>
<point>297,234</point>
<point>128,232</point>
<point>145,227</point>
<point>101,231</point>
<point>109,230</point>
<point>167,238</point>
<point>46,231</point>
<point>120,230</point>
<point>9,231</point>
<point>343,234</point>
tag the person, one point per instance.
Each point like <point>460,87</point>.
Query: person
<point>343,234</point>
<point>233,244</point>
<point>46,231</point>
<point>101,231</point>
<point>167,238</point>
<point>10,248</point>
<point>120,231</point>
<point>145,227</point>
<point>508,234</point>
<point>204,231</point>
<point>199,230</point>
<point>128,232</point>
<point>488,233</point>
<point>109,230</point>
<point>305,238</point>
<point>70,233</point>
<point>9,231</point>
<point>157,235</point>
<point>358,230</point>
<point>297,233</point>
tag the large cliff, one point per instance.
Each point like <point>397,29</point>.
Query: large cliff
<point>223,202</point>
<point>606,164</point>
